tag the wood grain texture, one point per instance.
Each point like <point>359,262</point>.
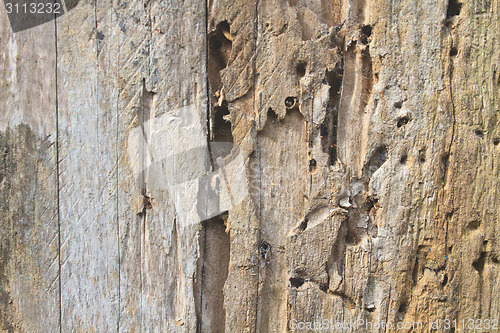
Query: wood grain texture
<point>369,142</point>
<point>87,127</point>
<point>29,255</point>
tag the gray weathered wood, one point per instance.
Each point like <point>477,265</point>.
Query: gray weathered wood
<point>368,187</point>
<point>87,127</point>
<point>29,243</point>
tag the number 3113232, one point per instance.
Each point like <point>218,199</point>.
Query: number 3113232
<point>34,8</point>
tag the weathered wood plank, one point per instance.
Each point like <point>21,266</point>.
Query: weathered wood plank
<point>179,84</point>
<point>29,243</point>
<point>159,249</point>
<point>88,170</point>
<point>133,44</point>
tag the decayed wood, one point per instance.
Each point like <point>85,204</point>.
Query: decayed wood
<point>395,163</point>
<point>369,137</point>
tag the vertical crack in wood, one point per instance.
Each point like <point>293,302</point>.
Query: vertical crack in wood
<point>198,287</point>
<point>57,179</point>
<point>214,245</point>
<point>448,154</point>
<point>328,130</point>
<point>258,153</point>
<point>144,116</point>
<point>117,145</point>
<point>213,269</point>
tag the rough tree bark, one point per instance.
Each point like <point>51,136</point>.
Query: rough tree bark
<point>369,133</point>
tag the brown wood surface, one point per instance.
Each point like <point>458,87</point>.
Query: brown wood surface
<point>368,135</point>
